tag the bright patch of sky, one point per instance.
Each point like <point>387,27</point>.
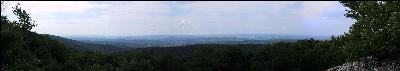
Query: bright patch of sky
<point>124,18</point>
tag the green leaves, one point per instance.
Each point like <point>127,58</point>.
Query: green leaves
<point>24,20</point>
<point>376,31</point>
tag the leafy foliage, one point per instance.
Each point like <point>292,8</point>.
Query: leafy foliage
<point>78,45</point>
<point>376,30</point>
<point>375,33</point>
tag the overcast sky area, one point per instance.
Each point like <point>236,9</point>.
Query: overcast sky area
<point>127,18</point>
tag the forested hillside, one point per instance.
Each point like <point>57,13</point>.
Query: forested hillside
<point>375,34</point>
<point>181,40</point>
<point>104,48</point>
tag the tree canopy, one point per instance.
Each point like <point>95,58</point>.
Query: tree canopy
<point>375,33</point>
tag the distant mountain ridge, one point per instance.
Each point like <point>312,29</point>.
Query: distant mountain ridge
<point>78,45</point>
<point>249,36</point>
<point>180,40</point>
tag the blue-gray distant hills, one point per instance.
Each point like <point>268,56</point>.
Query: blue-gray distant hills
<point>179,40</point>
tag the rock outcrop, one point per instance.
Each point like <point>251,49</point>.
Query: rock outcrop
<point>368,64</point>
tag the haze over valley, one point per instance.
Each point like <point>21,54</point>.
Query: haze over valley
<point>200,36</point>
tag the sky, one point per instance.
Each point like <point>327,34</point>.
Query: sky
<point>126,18</point>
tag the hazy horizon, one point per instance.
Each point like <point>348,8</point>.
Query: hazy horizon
<point>138,18</point>
<point>87,36</point>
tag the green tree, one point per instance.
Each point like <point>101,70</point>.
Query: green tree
<point>233,58</point>
<point>316,55</point>
<point>15,39</point>
<point>203,59</point>
<point>169,63</point>
<point>280,56</point>
<point>376,31</point>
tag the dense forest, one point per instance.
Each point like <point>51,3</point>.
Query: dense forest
<point>78,45</point>
<point>375,34</point>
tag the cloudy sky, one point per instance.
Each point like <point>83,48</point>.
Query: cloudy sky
<point>126,18</point>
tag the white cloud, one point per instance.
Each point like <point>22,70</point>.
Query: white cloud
<point>55,7</point>
<point>136,10</point>
<point>240,17</point>
<point>124,18</point>
<point>325,18</point>
<point>150,17</point>
<point>312,8</point>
